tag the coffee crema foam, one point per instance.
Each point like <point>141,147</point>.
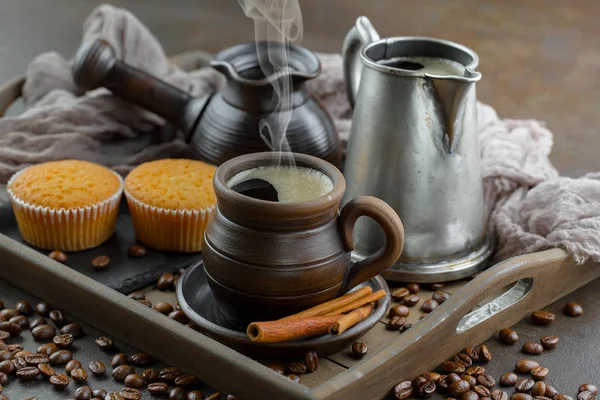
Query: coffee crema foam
<point>430,65</point>
<point>293,184</point>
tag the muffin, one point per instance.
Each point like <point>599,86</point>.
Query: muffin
<point>170,201</point>
<point>68,205</point>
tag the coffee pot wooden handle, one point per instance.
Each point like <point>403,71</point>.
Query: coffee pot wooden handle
<point>388,254</point>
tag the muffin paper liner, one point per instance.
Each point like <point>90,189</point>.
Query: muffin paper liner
<point>63,229</point>
<point>167,229</point>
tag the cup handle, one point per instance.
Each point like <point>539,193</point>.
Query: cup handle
<point>383,258</point>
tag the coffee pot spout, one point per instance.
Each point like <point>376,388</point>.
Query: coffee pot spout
<point>451,98</point>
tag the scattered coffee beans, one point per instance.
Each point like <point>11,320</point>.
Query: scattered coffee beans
<point>185,380</point>
<point>296,367</point>
<point>470,379</point>
<point>137,295</point>
<point>63,341</point>
<point>484,353</point>
<point>58,317</point>
<point>311,360</point>
<point>37,322</point>
<point>134,394</point>
<point>13,329</point>
<point>458,388</point>
<point>101,262</point>
<point>43,308</point>
<point>35,359</point>
<point>145,302</point>
<point>164,308</point>
<point>114,396</point>
<point>542,317</point>
<point>551,392</point>
<point>562,396</point>
<point>440,296</point>
<point>134,381</point>
<point>482,391</point>
<point>136,251</point>
<point>61,357</point>
<point>508,379</point>
<point>539,374</point>
<point>3,378</point>
<point>359,349</point>
<point>120,372</point>
<point>475,370</point>
<point>403,390</point>
<point>411,300</point>
<point>83,393</point>
<point>7,367</point>
<point>179,316</point>
<point>399,293</point>
<point>99,393</point>
<point>28,373</point>
<point>20,320</point>
<point>97,368</point>
<point>573,309</point>
<point>158,388</point>
<point>525,366</point>
<point>71,365</point>
<point>119,359</point>
<point>549,342</point>
<point>79,375</point>
<point>150,375</point>
<point>43,332</point>
<point>451,366</point>
<point>429,305</point>
<point>58,255</point>
<point>508,336</point>
<point>59,381</point>
<point>46,370</point>
<point>73,329</point>
<point>524,385</point>
<point>195,395</point>
<point>24,308</point>
<point>399,311</point>
<point>396,323</point>
<point>585,395</point>
<point>169,374</point>
<point>486,380</point>
<point>470,395</point>
<point>141,359</point>
<point>165,282</point>
<point>432,376</point>
<point>463,359</point>
<point>588,387</point>
<point>521,396</point>
<point>538,389</point>
<point>19,363</point>
<point>532,348</point>
<point>105,343</point>
<point>498,394</point>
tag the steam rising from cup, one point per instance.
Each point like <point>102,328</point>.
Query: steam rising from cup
<point>278,23</point>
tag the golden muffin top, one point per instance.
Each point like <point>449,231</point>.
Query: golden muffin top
<point>65,184</point>
<point>174,184</point>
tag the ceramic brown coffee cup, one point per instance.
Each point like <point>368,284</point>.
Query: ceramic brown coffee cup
<point>265,259</point>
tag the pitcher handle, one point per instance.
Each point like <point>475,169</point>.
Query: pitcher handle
<point>361,34</point>
<point>388,254</point>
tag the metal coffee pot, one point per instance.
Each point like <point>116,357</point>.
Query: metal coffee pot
<point>414,144</point>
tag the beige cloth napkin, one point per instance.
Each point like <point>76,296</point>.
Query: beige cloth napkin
<point>530,207</point>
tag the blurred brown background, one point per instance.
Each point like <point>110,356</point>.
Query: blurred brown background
<point>539,58</point>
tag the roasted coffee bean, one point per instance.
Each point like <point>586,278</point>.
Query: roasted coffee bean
<point>121,372</point>
<point>5,355</point>
<point>46,370</point>
<point>573,309</point>
<point>136,251</point>
<point>43,308</point>
<point>59,381</point>
<point>525,366</point>
<point>411,300</point>
<point>585,395</point>
<point>179,316</point>
<point>562,396</point>
<point>399,293</point>
<point>159,388</point>
<point>105,343</point>
<point>588,387</point>
<point>470,379</point>
<point>452,377</point>
<point>137,295</point>
<point>427,389</point>
<point>145,302</point>
<point>61,357</point>
<point>119,359</point>
<point>405,327</point>
<point>498,394</point>
<point>150,375</point>
<point>429,305</point>
<point>129,393</point>
<point>458,388</point>
<point>169,374</point>
<point>451,366</point>
<point>20,320</point>
<point>97,368</point>
<point>35,359</point>
<point>185,380</point>
<point>551,392</point>
<point>542,317</point>
<point>58,255</point>
<point>99,393</point>
<point>475,370</point>
<point>413,288</point>
<point>482,391</point>
<point>521,396</point>
<point>14,348</point>
<point>532,348</point>
<point>13,329</point>
<point>538,389</point>
<point>508,336</point>
<point>396,323</point>
<point>8,313</point>
<point>134,381</point>
<point>83,393</point>
<point>539,374</point>
<point>79,375</point>
<point>58,317</point>
<point>484,353</point>
<point>43,332</point>
<point>47,349</point>
<point>311,359</point>
<point>19,363</point>
<point>443,383</point>
<point>195,395</point>
<point>165,282</point>
<point>63,341</point>
<point>28,373</point>
<point>549,342</point>
<point>3,378</point>
<point>164,308</point>
<point>71,365</point>
<point>419,381</point>
<point>73,329</point>
<point>141,359</point>
<point>359,349</point>
<point>101,262</point>
<point>37,322</point>
<point>7,367</point>
<point>432,376</point>
<point>470,395</point>
<point>296,367</point>
<point>486,380</point>
<point>114,396</point>
<point>178,393</point>
<point>524,385</point>
<point>21,354</point>
<point>473,353</point>
<point>508,379</point>
<point>440,296</point>
<point>399,311</point>
<point>463,359</point>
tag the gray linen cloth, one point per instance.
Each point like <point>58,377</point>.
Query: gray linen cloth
<point>530,207</point>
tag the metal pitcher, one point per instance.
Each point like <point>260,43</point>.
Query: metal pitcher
<point>414,144</point>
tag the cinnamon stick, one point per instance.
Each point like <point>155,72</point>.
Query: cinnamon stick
<point>352,318</point>
<point>281,331</point>
<point>359,303</point>
<point>329,306</point>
